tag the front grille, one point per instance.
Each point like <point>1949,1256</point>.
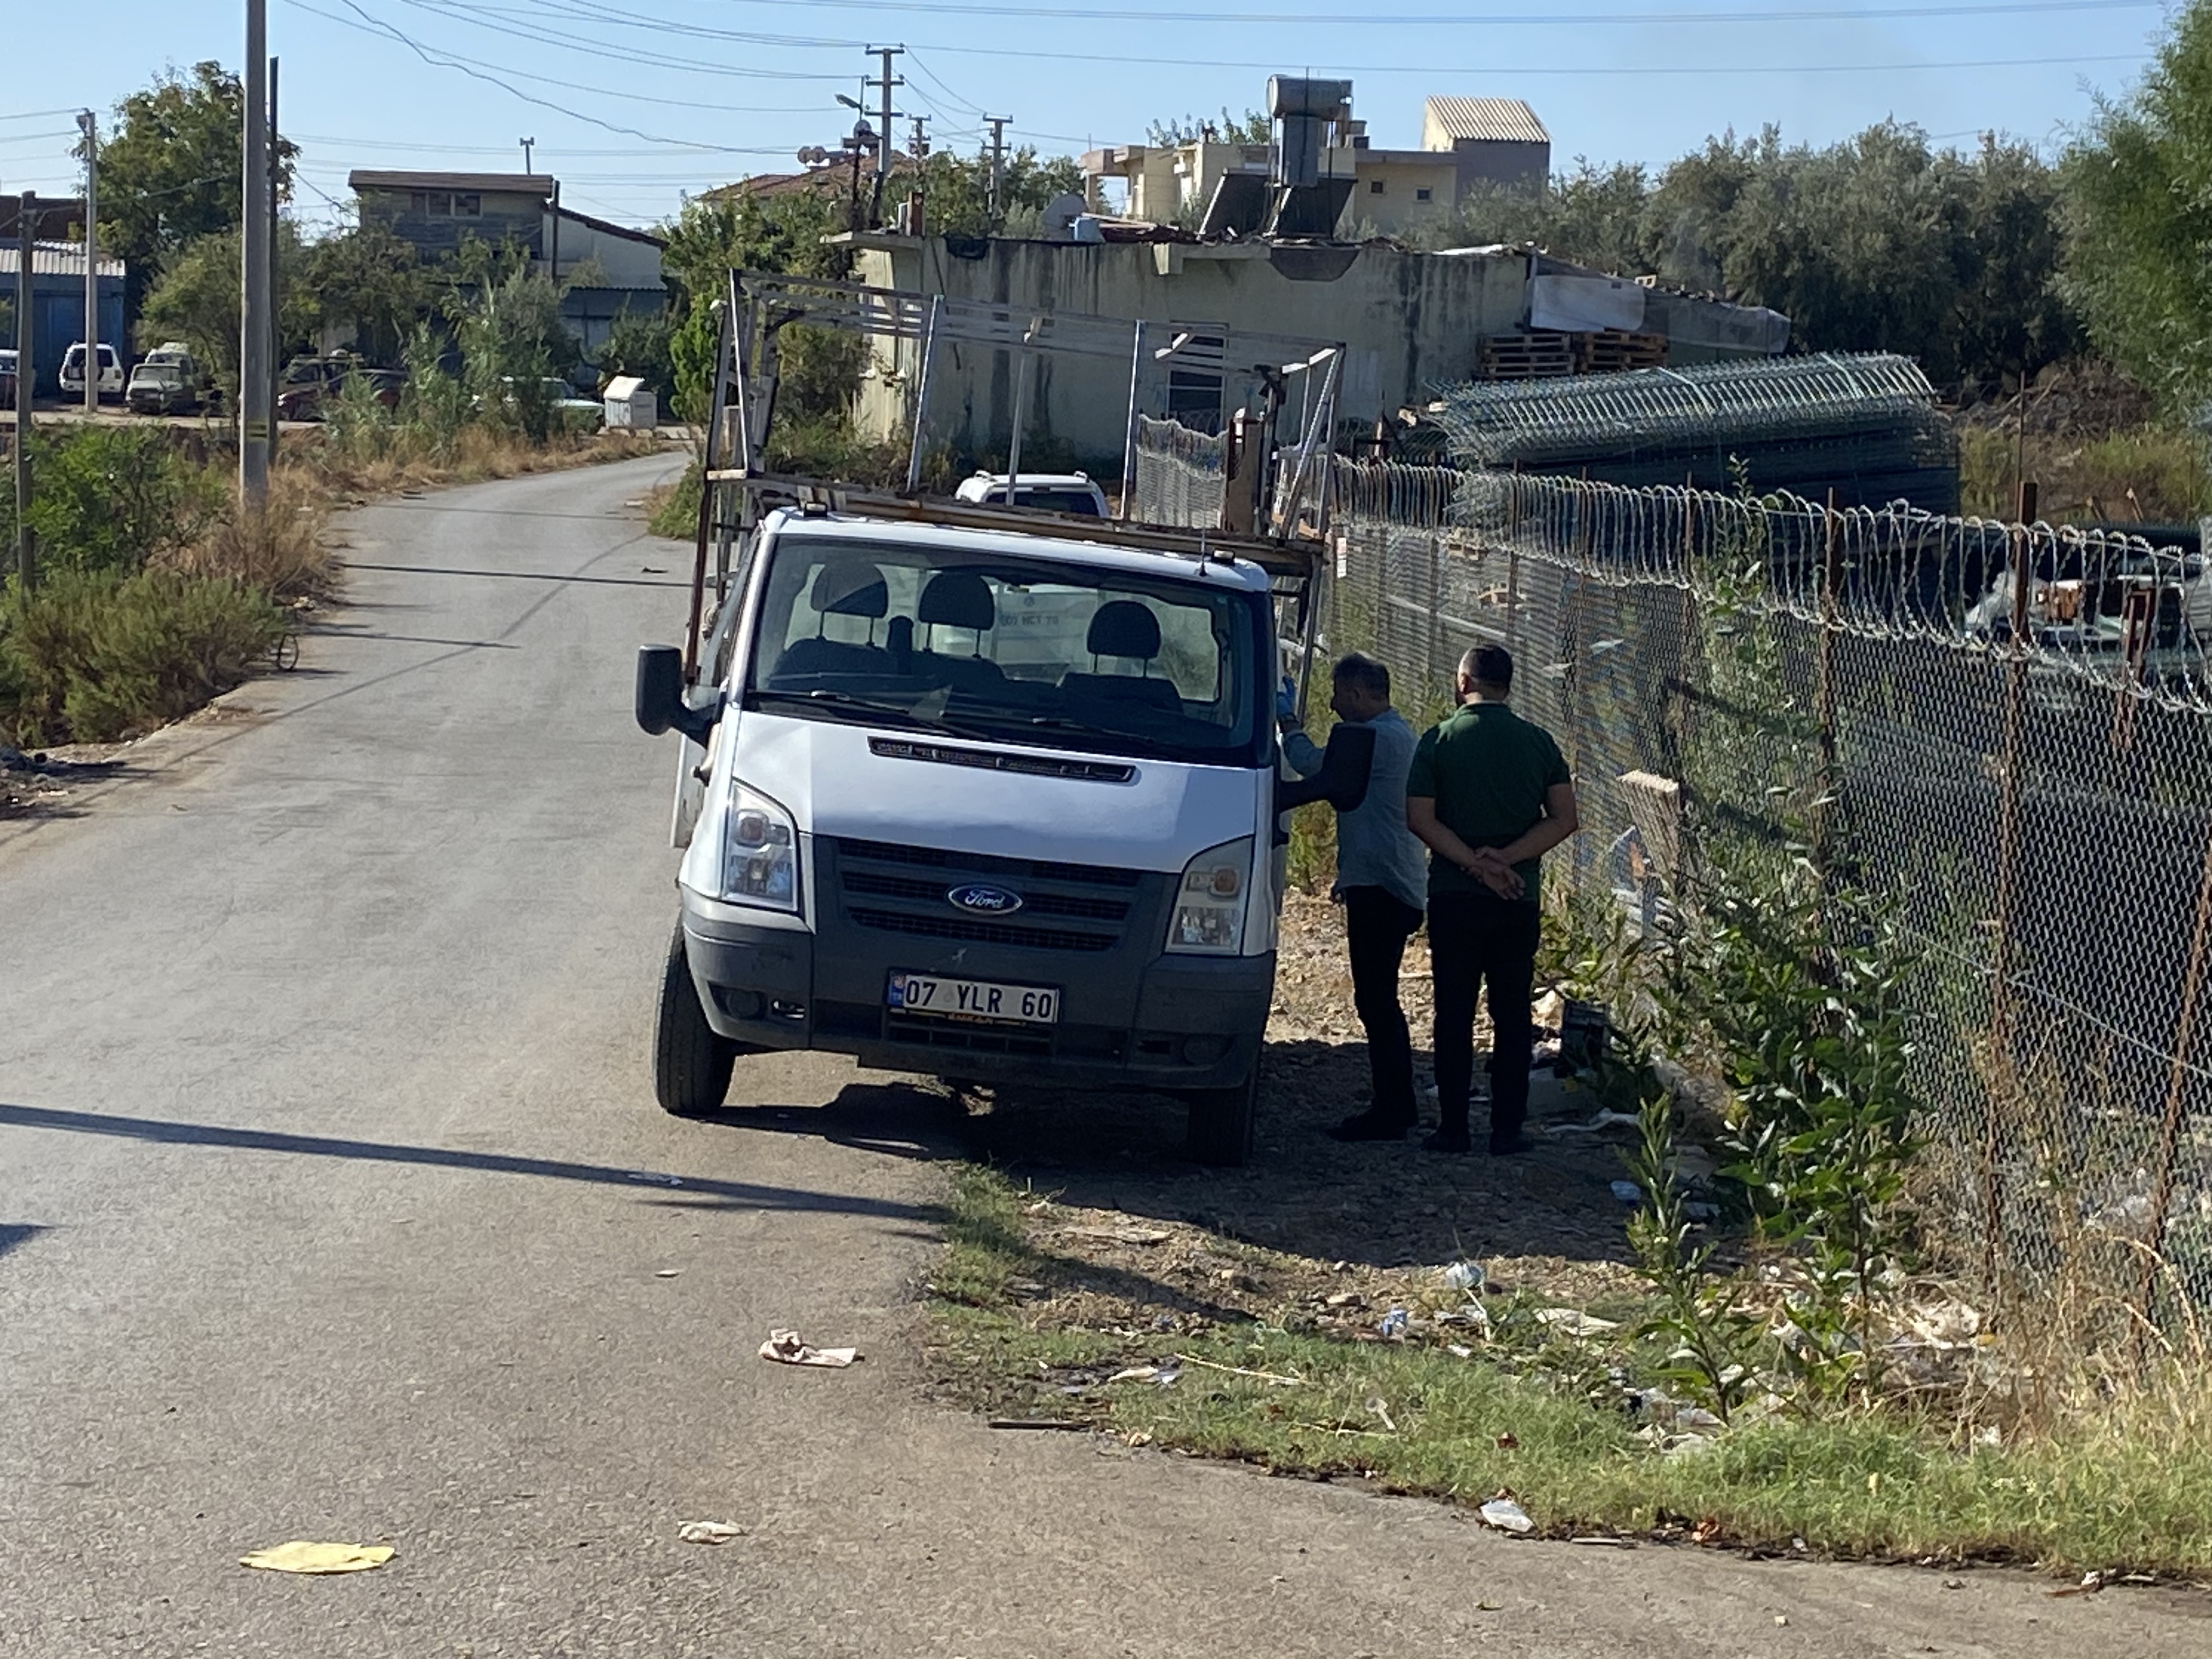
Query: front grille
<point>983,932</point>
<point>1082,907</point>
<point>976,1039</point>
<point>878,885</point>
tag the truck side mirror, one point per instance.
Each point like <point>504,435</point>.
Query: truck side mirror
<point>659,701</point>
<point>1346,765</point>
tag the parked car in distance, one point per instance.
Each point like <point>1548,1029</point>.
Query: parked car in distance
<point>1043,492</point>
<point>304,401</point>
<point>111,371</point>
<point>160,389</point>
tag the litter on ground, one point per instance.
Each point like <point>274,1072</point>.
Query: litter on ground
<point>1503,1513</point>
<point>708,1532</point>
<point>303,1556</point>
<point>787,1348</point>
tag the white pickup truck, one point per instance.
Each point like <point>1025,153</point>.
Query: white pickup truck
<point>974,791</point>
<point>984,804</point>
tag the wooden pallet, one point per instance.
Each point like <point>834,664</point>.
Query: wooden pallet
<point>1525,356</point>
<point>1611,351</point>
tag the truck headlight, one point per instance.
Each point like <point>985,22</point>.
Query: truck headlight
<point>760,851</point>
<point>1210,899</point>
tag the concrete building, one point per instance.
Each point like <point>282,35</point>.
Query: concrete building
<point>1410,321</point>
<point>1464,142</point>
<point>611,268</point>
<point>57,306</point>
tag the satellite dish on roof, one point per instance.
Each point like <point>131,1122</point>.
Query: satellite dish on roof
<point>1060,214</point>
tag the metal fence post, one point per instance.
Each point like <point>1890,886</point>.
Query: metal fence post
<point>2004,1062</point>
<point>2169,1135</point>
<point>1832,560</point>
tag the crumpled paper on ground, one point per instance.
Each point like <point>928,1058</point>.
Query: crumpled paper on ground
<point>709,1532</point>
<point>787,1348</point>
<point>300,1556</point>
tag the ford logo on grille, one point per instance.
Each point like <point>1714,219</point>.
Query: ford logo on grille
<point>979,899</point>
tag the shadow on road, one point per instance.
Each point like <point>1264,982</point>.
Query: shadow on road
<point>169,1131</point>
<point>14,1233</point>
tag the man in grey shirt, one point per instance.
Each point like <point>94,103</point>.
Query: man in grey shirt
<point>1382,880</point>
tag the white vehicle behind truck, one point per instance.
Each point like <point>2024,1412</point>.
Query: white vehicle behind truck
<point>968,797</point>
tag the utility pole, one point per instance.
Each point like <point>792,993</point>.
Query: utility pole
<point>526,143</point>
<point>253,354</point>
<point>998,124</point>
<point>275,300</point>
<point>882,83</point>
<point>26,336</point>
<point>90,128</point>
<point>917,224</point>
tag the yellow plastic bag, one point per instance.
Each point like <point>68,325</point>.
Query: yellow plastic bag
<point>300,1556</point>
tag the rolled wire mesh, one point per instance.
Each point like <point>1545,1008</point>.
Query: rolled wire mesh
<point>1180,474</point>
<point>2032,803</point>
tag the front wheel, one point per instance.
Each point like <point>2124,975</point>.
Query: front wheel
<point>1222,1120</point>
<point>692,1062</point>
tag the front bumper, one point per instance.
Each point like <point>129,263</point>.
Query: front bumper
<point>1130,1018</point>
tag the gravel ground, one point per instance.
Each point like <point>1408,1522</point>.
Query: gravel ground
<point>1310,1228</point>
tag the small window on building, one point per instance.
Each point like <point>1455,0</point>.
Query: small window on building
<point>419,202</point>
<point>1373,186</point>
<point>470,205</point>
<point>1421,195</point>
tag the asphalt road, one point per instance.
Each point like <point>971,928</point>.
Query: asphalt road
<point>334,1206</point>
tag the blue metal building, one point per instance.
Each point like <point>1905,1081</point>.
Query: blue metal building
<point>57,306</point>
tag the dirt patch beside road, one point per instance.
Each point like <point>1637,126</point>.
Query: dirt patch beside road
<point>1311,1227</point>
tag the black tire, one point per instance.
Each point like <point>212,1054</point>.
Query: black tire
<point>1222,1120</point>
<point>690,1063</point>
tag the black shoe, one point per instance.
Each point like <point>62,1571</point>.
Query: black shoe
<point>1447,1140</point>
<point>1366,1126</point>
<point>1511,1146</point>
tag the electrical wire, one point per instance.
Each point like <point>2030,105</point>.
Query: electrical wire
<point>1180,16</point>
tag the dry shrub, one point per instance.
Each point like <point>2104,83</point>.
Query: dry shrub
<point>277,549</point>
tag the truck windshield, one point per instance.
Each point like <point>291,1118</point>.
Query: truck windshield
<point>1018,650</point>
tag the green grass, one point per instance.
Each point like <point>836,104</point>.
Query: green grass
<point>2127,1486</point>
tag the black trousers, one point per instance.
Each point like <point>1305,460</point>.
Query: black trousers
<point>1477,939</point>
<point>1376,925</point>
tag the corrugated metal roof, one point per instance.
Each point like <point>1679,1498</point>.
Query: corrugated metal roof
<point>518,184</point>
<point>1506,120</point>
<point>58,260</point>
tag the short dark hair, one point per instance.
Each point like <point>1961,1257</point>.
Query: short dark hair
<point>1488,664</point>
<point>1364,672</point>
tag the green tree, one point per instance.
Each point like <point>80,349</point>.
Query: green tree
<point>368,280</point>
<point>169,171</point>
<point>639,344</point>
<point>195,299</point>
<point>2139,187</point>
<point>739,231</point>
<point>1253,127</point>
<point>1880,242</point>
<point>956,190</point>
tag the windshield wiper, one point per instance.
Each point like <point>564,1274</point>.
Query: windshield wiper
<point>848,700</point>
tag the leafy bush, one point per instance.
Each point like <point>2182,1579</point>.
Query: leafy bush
<point>92,656</point>
<point>110,498</point>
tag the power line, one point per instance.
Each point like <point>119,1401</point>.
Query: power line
<point>1890,67</point>
<point>474,17</point>
<point>35,114</point>
<point>1180,16</point>
<point>477,68</point>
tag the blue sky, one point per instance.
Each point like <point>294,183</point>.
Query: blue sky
<point>657,97</point>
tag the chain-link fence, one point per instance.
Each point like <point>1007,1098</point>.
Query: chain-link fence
<point>2021,775</point>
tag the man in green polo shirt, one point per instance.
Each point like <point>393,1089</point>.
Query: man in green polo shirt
<point>1490,794</point>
